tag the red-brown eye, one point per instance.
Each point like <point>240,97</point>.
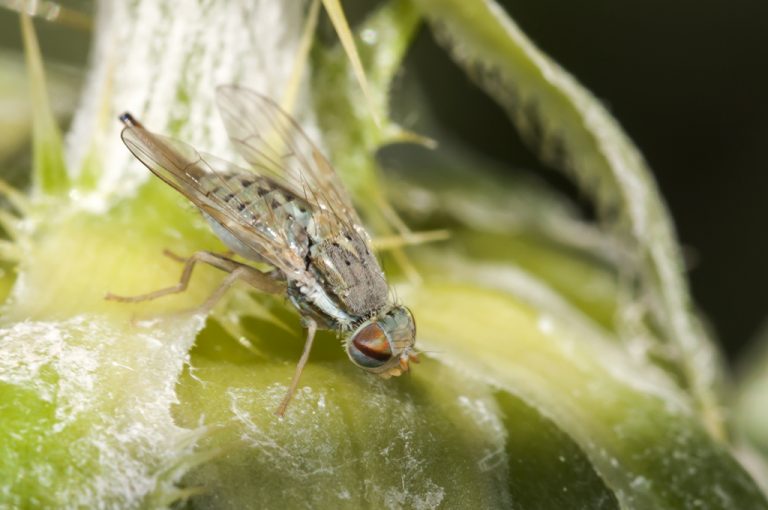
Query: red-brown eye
<point>370,347</point>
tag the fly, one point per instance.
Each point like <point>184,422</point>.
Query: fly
<point>291,212</point>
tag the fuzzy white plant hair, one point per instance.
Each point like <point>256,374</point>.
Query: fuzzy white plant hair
<point>162,60</point>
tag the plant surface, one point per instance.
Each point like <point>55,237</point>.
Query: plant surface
<point>564,363</point>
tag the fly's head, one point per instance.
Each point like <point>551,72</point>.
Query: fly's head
<point>383,345</point>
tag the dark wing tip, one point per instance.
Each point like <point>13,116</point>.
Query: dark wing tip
<point>128,119</point>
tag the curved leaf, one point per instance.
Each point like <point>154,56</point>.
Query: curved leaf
<point>84,413</point>
<point>637,430</point>
<point>434,439</point>
<point>573,131</point>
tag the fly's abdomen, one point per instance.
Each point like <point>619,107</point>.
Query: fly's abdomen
<point>261,204</point>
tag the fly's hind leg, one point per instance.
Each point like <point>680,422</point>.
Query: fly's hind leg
<point>255,278</point>
<point>173,256</point>
<point>178,258</point>
<point>236,270</point>
<point>189,265</point>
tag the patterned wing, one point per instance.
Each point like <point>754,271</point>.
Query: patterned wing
<point>184,169</point>
<point>275,145</point>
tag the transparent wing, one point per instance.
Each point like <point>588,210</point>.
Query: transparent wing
<point>183,168</point>
<point>275,145</point>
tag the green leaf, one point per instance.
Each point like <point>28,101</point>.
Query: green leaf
<point>547,470</point>
<point>84,412</point>
<point>431,440</point>
<point>86,385</point>
<point>348,440</point>
<point>637,430</point>
<point>523,400</point>
<point>751,409</point>
<point>514,220</point>
<point>573,131</point>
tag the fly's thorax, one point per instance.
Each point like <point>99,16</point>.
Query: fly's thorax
<point>351,273</point>
<point>384,344</point>
<point>312,301</point>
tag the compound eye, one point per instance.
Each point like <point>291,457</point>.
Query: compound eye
<point>370,347</point>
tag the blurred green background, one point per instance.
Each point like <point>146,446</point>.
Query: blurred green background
<point>687,80</point>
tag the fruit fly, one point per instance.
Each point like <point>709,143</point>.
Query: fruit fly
<point>291,212</point>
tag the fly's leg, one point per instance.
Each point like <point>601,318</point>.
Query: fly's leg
<point>311,330</point>
<point>261,281</point>
<point>179,258</point>
<point>253,276</point>
<point>201,256</point>
<point>173,256</point>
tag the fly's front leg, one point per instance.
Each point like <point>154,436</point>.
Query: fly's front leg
<point>311,330</point>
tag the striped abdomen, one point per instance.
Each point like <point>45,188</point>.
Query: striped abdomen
<point>262,204</point>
